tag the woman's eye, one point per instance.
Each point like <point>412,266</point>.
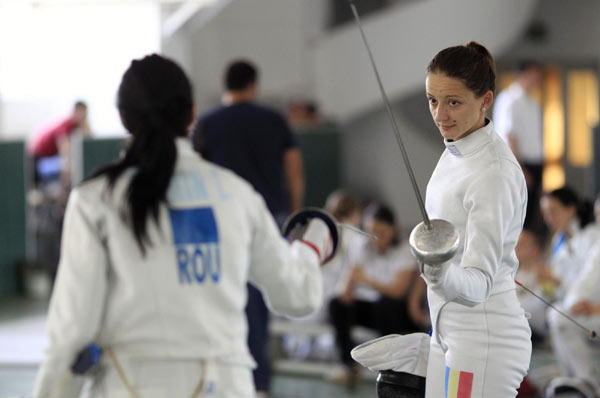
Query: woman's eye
<point>432,101</point>
<point>454,103</point>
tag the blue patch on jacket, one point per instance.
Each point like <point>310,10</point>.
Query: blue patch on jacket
<point>196,237</point>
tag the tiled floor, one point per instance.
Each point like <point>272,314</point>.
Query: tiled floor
<point>22,340</point>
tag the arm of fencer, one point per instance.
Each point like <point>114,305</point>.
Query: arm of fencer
<point>77,301</point>
<point>288,275</point>
<point>492,203</point>
<point>587,282</point>
<point>467,286</point>
<point>294,176</point>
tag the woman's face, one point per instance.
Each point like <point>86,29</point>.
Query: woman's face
<point>454,108</point>
<point>556,215</point>
<point>385,234</point>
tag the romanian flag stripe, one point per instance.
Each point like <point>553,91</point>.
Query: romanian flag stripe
<point>458,384</point>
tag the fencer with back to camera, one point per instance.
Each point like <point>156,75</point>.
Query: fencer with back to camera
<point>157,249</point>
<point>480,344</point>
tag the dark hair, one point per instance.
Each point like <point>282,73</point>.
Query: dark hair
<point>155,104</point>
<point>341,204</point>
<point>80,104</point>
<point>239,75</point>
<point>567,197</point>
<point>384,214</point>
<point>471,63</point>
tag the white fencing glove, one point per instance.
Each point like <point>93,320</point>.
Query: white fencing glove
<point>434,274</point>
<point>318,238</point>
<point>315,228</point>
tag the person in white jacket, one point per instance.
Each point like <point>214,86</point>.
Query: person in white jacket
<point>582,301</point>
<point>157,249</point>
<point>481,341</point>
<point>570,343</point>
<point>568,218</point>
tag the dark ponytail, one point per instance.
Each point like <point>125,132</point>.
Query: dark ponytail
<point>155,104</point>
<point>567,197</point>
<point>471,63</point>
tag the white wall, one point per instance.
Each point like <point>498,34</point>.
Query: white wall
<point>52,55</point>
<point>276,35</point>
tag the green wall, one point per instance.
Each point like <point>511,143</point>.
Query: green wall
<point>12,213</point>
<point>321,155</point>
<point>99,151</point>
<point>13,221</point>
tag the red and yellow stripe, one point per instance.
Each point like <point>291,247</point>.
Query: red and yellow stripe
<point>458,383</point>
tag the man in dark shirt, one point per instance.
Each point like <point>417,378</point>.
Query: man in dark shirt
<point>256,143</point>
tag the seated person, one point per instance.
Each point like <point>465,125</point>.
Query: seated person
<point>531,273</point>
<point>582,301</point>
<point>590,235</point>
<point>345,209</point>
<point>569,341</point>
<point>376,287</point>
<point>566,216</point>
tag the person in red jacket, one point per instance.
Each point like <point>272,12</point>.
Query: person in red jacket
<point>54,140</point>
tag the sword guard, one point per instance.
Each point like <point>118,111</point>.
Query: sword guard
<point>435,243</point>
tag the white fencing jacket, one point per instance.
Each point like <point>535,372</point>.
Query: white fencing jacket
<point>185,298</point>
<point>479,187</point>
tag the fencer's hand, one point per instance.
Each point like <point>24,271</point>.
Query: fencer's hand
<point>585,308</point>
<point>318,237</point>
<point>580,308</point>
<point>434,274</point>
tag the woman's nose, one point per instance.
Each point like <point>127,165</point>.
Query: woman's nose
<point>440,113</point>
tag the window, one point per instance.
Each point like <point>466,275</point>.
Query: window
<point>53,54</point>
<point>570,105</point>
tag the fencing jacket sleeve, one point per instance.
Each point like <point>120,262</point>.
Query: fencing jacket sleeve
<point>77,312</point>
<point>277,268</point>
<point>487,202</point>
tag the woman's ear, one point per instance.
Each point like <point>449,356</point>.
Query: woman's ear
<point>488,99</point>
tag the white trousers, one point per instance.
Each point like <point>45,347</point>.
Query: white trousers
<point>485,350</point>
<point>537,313</point>
<point>173,378</point>
<point>572,347</point>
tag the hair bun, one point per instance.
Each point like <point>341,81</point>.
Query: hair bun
<point>483,51</point>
